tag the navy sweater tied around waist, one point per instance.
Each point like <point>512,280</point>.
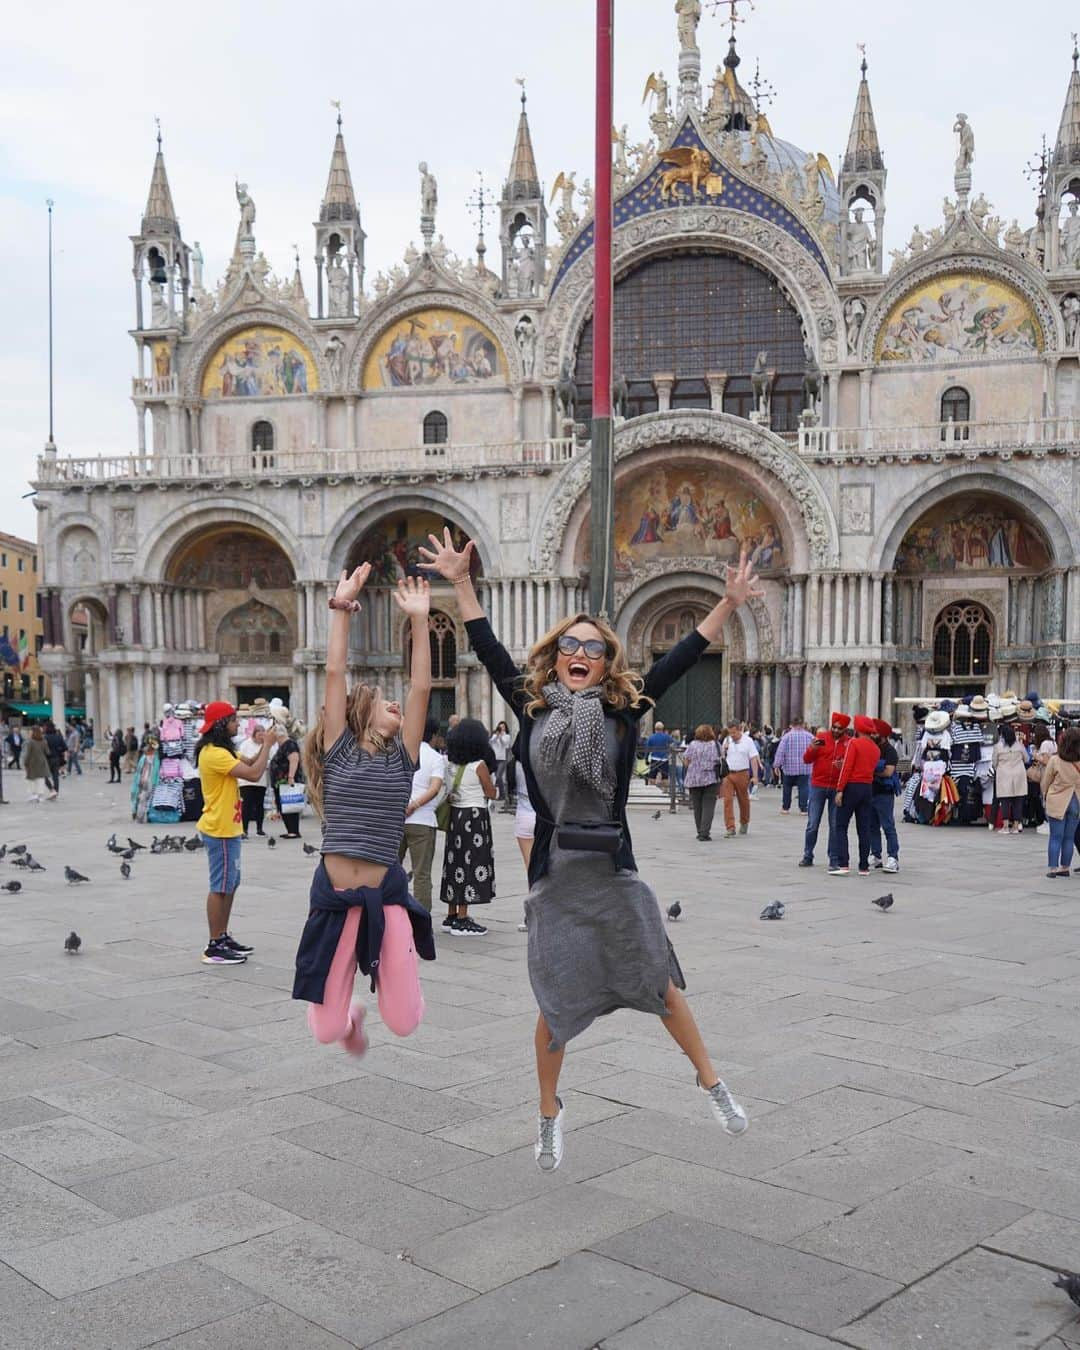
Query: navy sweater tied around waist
<point>326,920</point>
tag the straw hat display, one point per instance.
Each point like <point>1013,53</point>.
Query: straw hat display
<point>937,721</point>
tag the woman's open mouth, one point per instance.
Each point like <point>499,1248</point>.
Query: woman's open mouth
<point>394,709</point>
<point>578,670</point>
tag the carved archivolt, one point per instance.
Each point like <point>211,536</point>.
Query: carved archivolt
<point>1007,268</point>
<point>759,241</point>
<point>696,597</point>
<point>696,428</point>
<point>381,316</point>
<point>204,346</point>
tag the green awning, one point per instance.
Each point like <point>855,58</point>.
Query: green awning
<point>38,709</point>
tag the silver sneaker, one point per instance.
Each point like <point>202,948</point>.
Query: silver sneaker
<point>729,1114</point>
<point>549,1140</point>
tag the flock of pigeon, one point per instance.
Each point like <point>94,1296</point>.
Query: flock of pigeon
<point>775,910</point>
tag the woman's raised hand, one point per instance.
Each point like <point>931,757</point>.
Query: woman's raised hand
<point>742,584</point>
<point>413,596</point>
<point>349,587</point>
<point>443,558</point>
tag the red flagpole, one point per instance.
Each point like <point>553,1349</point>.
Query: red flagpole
<point>601,579</point>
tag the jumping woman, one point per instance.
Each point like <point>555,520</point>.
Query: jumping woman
<point>359,761</point>
<point>596,934</point>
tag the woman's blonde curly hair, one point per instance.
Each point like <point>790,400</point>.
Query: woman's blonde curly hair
<point>359,708</point>
<point>621,686</point>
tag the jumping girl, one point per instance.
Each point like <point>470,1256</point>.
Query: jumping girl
<point>359,761</point>
<point>596,934</point>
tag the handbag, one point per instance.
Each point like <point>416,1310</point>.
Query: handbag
<point>722,769</point>
<point>600,836</point>
<point>293,798</point>
<point>442,811</point>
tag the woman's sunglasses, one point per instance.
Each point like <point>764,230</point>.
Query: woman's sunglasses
<point>593,648</point>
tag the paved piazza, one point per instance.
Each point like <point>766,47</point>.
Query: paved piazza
<point>181,1166</point>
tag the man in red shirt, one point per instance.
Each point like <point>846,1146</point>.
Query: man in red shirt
<point>825,755</point>
<point>854,792</point>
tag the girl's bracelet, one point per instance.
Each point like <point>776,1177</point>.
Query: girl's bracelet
<point>349,606</point>
<point>462,581</point>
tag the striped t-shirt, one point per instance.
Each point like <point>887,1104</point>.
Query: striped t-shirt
<point>364,799</point>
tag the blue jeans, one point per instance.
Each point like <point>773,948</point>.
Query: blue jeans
<point>884,820</point>
<point>73,762</point>
<point>820,798</point>
<point>1060,848</point>
<point>791,781</point>
<point>856,802</point>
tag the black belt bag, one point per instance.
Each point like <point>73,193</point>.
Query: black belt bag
<point>602,836</point>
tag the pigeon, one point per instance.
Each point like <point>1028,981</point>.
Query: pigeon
<point>773,911</point>
<point>125,870</point>
<point>19,848</point>
<point>3,852</point>
<point>111,844</point>
<point>310,850</point>
<point>72,943</point>
<point>13,886</point>
<point>271,842</point>
<point>1071,1285</point>
<point>21,862</point>
<point>657,814</point>
<point>72,876</point>
<point>34,866</point>
<point>193,845</point>
<point>157,847</point>
<point>127,854</point>
<point>134,845</point>
<point>674,911</point>
<point>884,902</point>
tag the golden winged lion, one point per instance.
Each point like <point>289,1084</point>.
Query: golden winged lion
<point>690,165</point>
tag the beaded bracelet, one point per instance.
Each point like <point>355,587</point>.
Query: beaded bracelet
<point>349,606</point>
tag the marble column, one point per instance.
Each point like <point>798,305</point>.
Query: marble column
<point>855,688</point>
<point>350,422</point>
<point>176,445</point>
<point>813,611</point>
<point>888,694</point>
<point>160,690</point>
<point>768,714</point>
<point>320,421</point>
<point>136,614</point>
<point>189,621</point>
<point>888,618</point>
<point>797,706</point>
<point>785,696</point>
<point>865,410</point>
<point>814,699</point>
<point>202,638</point>
<point>58,691</point>
<point>853,588</point>
<point>838,611</point>
<point>663,384</point>
<point>786,606</point>
<point>311,695</point>
<point>138,701</point>
<point>867,635</point>
<point>875,609</point>
<point>798,643</point>
<point>158,635</point>
<point>112,685</point>
<point>836,688</point>
<point>90,700</point>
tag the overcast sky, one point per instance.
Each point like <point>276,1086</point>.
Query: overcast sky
<point>245,90</point>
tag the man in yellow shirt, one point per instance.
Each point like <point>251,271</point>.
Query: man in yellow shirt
<point>220,825</point>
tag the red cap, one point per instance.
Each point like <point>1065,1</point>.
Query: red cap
<point>881,728</point>
<point>865,726</point>
<point>839,720</point>
<point>214,713</point>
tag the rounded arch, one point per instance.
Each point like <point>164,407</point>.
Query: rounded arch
<point>80,552</point>
<point>254,629</point>
<point>713,229</point>
<point>962,641</point>
<point>264,315</point>
<point>1016,491</point>
<point>1005,269</point>
<point>644,606</point>
<point>354,523</point>
<point>160,544</point>
<point>718,438</point>
<point>230,557</point>
<point>383,316</point>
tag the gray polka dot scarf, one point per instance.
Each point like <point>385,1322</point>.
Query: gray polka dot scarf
<point>574,735</point>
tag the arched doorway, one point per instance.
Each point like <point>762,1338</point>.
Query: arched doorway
<point>443,639</point>
<point>699,695</point>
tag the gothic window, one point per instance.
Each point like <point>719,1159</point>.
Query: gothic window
<point>443,639</point>
<point>955,410</point>
<point>436,429</point>
<point>963,642</point>
<point>254,630</point>
<point>691,313</point>
<point>262,445</point>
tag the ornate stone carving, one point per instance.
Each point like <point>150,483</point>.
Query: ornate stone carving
<point>513,517</point>
<point>760,241</point>
<point>123,529</point>
<point>857,508</point>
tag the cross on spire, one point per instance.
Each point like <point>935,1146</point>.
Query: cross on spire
<point>733,7</point>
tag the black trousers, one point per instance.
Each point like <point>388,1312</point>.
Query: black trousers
<point>703,800</point>
<point>115,775</point>
<point>252,806</point>
<point>856,801</point>
<point>290,821</point>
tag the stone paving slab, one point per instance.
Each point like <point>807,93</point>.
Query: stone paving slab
<point>181,1166</point>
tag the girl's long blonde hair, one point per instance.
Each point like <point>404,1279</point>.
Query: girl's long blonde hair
<point>359,707</point>
<point>621,686</point>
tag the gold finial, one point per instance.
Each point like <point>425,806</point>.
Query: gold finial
<point>336,103</point>
<point>732,6</point>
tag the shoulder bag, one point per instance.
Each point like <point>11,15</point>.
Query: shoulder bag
<point>442,811</point>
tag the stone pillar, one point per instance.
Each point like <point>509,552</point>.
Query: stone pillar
<point>113,687</point>
<point>798,635</point>
<point>814,699</point>
<point>202,638</point>
<point>875,609</point>
<point>189,621</point>
<point>838,611</point>
<point>867,634</point>
<point>785,696</point>
<point>350,422</point>
<point>136,614</point>
<point>1055,607</point>
<point>176,444</point>
<point>157,635</point>
<point>57,684</point>
<point>836,693</point>
<point>138,701</point>
<point>664,384</point>
<point>865,410</point>
<point>113,615</point>
<point>519,420</point>
<point>888,694</point>
<point>768,715</point>
<point>797,695</point>
<point>855,688</point>
<point>854,587</point>
<point>1072,680</point>
<point>320,421</point>
<point>311,695</point>
<point>505,629</point>
<point>813,611</point>
<point>519,612</point>
<point>90,700</point>
<point>716,380</point>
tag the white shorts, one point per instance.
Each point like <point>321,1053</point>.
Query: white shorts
<point>524,822</point>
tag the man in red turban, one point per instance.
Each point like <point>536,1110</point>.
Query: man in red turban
<point>854,793</point>
<point>886,785</point>
<point>825,755</point>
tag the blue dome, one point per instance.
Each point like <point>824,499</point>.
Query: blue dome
<point>782,156</point>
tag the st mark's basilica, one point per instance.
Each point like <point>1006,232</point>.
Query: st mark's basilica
<point>892,428</point>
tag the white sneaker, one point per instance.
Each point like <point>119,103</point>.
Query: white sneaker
<point>891,865</point>
<point>729,1114</point>
<point>549,1140</point>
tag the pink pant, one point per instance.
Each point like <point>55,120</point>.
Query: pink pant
<point>401,1002</point>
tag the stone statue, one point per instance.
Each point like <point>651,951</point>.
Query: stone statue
<point>688,16</point>
<point>246,228</point>
<point>980,209</point>
<point>1070,309</point>
<point>860,243</point>
<point>965,144</point>
<point>587,195</point>
<point>429,193</point>
<point>159,307</point>
<point>620,397</point>
<point>854,314</point>
<point>948,210</point>
<point>917,243</point>
<point>660,117</point>
<point>811,385</point>
<point>621,167</point>
<point>525,337</point>
<point>335,356</point>
<point>1014,237</point>
<point>526,268</point>
<point>337,282</point>
<point>1070,236</point>
<point>196,267</point>
<point>566,391</point>
<point>759,383</point>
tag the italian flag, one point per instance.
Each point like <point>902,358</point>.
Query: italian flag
<point>24,652</point>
